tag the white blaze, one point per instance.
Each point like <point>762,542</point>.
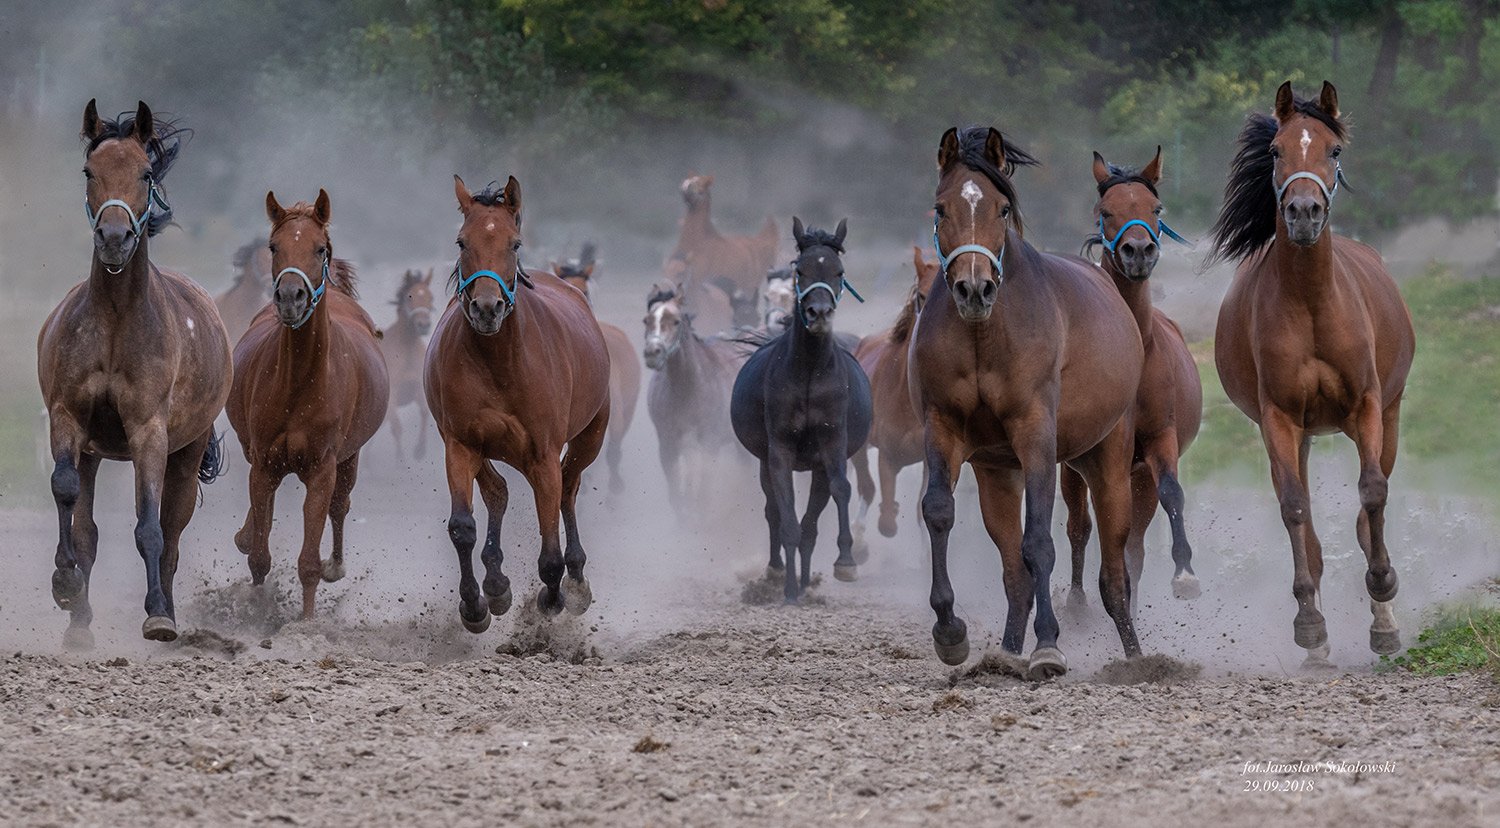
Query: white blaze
<point>1306,142</point>
<point>972,194</point>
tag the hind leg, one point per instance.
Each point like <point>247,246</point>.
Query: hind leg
<point>178,502</point>
<point>1161,455</point>
<point>423,417</point>
<point>1107,468</point>
<point>1142,510</point>
<point>496,494</point>
<point>338,509</point>
<point>1377,449</point>
<point>85,550</point>
<point>582,451</point>
<point>393,419</point>
<point>888,467</point>
<point>1000,507</point>
<point>818,494</point>
<point>865,486</point>
<point>1075,493</point>
<point>845,567</point>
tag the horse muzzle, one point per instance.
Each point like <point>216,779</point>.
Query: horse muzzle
<point>115,245</point>
<point>975,298</point>
<point>655,354</point>
<point>422,323</point>
<point>1137,258</point>
<point>819,320</point>
<point>1305,219</point>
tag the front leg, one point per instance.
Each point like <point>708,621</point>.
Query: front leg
<point>775,569</point>
<point>950,636</point>
<point>783,493</point>
<point>844,568</point>
<point>496,494</point>
<point>1035,442</point>
<point>316,507</point>
<point>544,473</point>
<point>148,451</point>
<point>68,581</point>
<point>463,465</point>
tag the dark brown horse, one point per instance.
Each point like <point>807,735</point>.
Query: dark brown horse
<point>310,389</point>
<point>1021,359</point>
<point>134,365</point>
<point>897,432</point>
<point>624,367</point>
<point>251,289</point>
<point>736,264</point>
<point>1169,402</point>
<point>405,348</point>
<point>1313,338</point>
<point>517,371</point>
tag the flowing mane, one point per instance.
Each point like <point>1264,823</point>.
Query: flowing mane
<point>971,143</point>
<point>161,151</point>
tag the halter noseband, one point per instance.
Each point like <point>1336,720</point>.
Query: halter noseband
<point>943,261</point>
<point>315,294</point>
<point>1328,192</point>
<point>505,290</point>
<point>1155,233</point>
<point>838,293</point>
<point>154,199</point>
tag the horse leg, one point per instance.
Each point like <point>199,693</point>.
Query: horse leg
<point>866,483</point>
<point>582,451</point>
<point>1287,447</point>
<point>316,509</point>
<point>148,450</point>
<point>179,500</point>
<point>393,419</point>
<point>817,500</point>
<point>338,509</point>
<point>1162,455</point>
<point>775,569</point>
<point>1000,507</point>
<point>463,466</point>
<point>254,538</point>
<point>544,473</point>
<point>1075,492</point>
<point>1038,456</point>
<point>669,449</point>
<point>1142,510</point>
<point>422,417</point>
<point>950,636</point>
<point>1107,467</point>
<point>1375,434</point>
<point>782,494</point>
<point>85,550</point>
<point>845,567</point>
<point>888,468</point>
<point>496,494</point>
<point>613,453</point>
<point>69,583</point>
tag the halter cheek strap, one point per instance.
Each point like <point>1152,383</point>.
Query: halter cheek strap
<point>315,293</point>
<point>1328,192</point>
<point>837,293</point>
<point>943,261</point>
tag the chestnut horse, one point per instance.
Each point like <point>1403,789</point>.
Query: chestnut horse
<point>624,368</point>
<point>405,349</point>
<point>310,389</point>
<point>736,264</point>
<point>1021,359</point>
<point>1313,338</point>
<point>517,370</point>
<point>1169,402</point>
<point>251,289</point>
<point>897,432</point>
<point>134,366</point>
<point>709,304</point>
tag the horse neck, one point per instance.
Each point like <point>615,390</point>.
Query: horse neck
<point>1137,295</point>
<point>1304,271</point>
<point>814,351</point>
<point>302,354</point>
<point>698,224</point>
<point>691,359</point>
<point>402,330</point>
<point>130,288</point>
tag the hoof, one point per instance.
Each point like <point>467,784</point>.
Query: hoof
<point>1317,660</point>
<point>775,573</point>
<point>67,587</point>
<point>1185,587</point>
<point>1385,642</point>
<point>159,628</point>
<point>475,627</point>
<point>332,570</point>
<point>1077,600</point>
<point>861,551</point>
<point>78,638</point>
<point>887,526</point>
<point>1310,632</point>
<point>952,645</point>
<point>500,604</point>
<point>577,595</point>
<point>549,608</point>
<point>846,573</point>
<point>1046,663</point>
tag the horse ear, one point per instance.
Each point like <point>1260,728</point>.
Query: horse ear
<point>1101,169</point>
<point>1152,172</point>
<point>948,149</point>
<point>797,231</point>
<point>588,270</point>
<point>144,126</point>
<point>708,181</point>
<point>1328,101</point>
<point>321,208</point>
<point>461,192</point>
<point>1284,102</point>
<point>513,198</point>
<point>556,268</point>
<point>91,125</point>
<point>274,211</point>
<point>994,149</point>
<point>916,259</point>
<point>428,280</point>
<point>841,231</point>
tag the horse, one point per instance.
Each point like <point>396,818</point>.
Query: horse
<point>310,389</point>
<point>624,368</point>
<point>404,349</point>
<point>1313,338</point>
<point>249,293</point>
<point>1169,402</point>
<point>802,403</point>
<point>737,264</point>
<point>779,298</point>
<point>1020,359</point>
<point>516,371</point>
<point>688,396</point>
<point>133,366</point>
<point>897,432</point>
<point>709,304</point>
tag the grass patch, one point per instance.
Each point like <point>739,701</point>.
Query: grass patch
<point>1464,637</point>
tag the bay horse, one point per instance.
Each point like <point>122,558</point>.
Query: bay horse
<point>1313,338</point>
<point>688,396</point>
<point>310,389</point>
<point>1169,401</point>
<point>709,304</point>
<point>517,370</point>
<point>133,366</point>
<point>897,431</point>
<point>802,403</point>
<point>405,349</point>
<point>624,368</point>
<point>241,301</point>
<point>736,264</point>
<point>1021,359</point>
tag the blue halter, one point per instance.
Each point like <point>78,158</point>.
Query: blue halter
<point>1328,192</point>
<point>995,261</point>
<point>506,290</point>
<point>837,293</point>
<point>315,293</point>
<point>1155,233</point>
<point>154,199</point>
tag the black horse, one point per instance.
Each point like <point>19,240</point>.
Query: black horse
<point>802,403</point>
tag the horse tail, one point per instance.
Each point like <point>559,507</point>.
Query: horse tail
<point>211,467</point>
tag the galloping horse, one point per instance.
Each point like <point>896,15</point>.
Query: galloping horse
<point>709,304</point>
<point>1313,338</point>
<point>624,368</point>
<point>736,264</point>
<point>401,343</point>
<point>133,365</point>
<point>779,298</point>
<point>688,398</point>
<point>1021,359</point>
<point>310,389</point>
<point>897,432</point>
<point>1169,402</point>
<point>516,371</point>
<point>251,289</point>
<point>802,403</point>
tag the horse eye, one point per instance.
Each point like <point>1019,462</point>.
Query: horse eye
<point>88,174</point>
<point>1336,151</point>
<point>937,210</point>
<point>1275,153</point>
<point>1159,210</point>
<point>460,243</point>
<point>1005,211</point>
<point>515,246</point>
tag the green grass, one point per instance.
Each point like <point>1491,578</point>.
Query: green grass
<point>1464,637</point>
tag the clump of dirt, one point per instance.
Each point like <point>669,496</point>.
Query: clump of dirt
<point>1149,669</point>
<point>994,669</point>
<point>762,592</point>
<point>243,607</point>
<point>564,637</point>
<point>952,700</point>
<point>650,744</point>
<point>210,642</point>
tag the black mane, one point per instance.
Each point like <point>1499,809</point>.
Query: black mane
<point>161,151</point>
<point>586,256</point>
<point>1248,218</point>
<point>971,144</point>
<point>493,195</point>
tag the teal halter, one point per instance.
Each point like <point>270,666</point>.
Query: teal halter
<point>1328,192</point>
<point>943,261</point>
<point>315,294</point>
<point>1156,233</point>
<point>837,293</point>
<point>154,199</point>
<point>505,290</point>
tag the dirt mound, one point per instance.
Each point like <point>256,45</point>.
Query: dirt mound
<point>1149,669</point>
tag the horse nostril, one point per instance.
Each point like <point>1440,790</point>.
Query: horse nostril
<point>962,291</point>
<point>989,291</point>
